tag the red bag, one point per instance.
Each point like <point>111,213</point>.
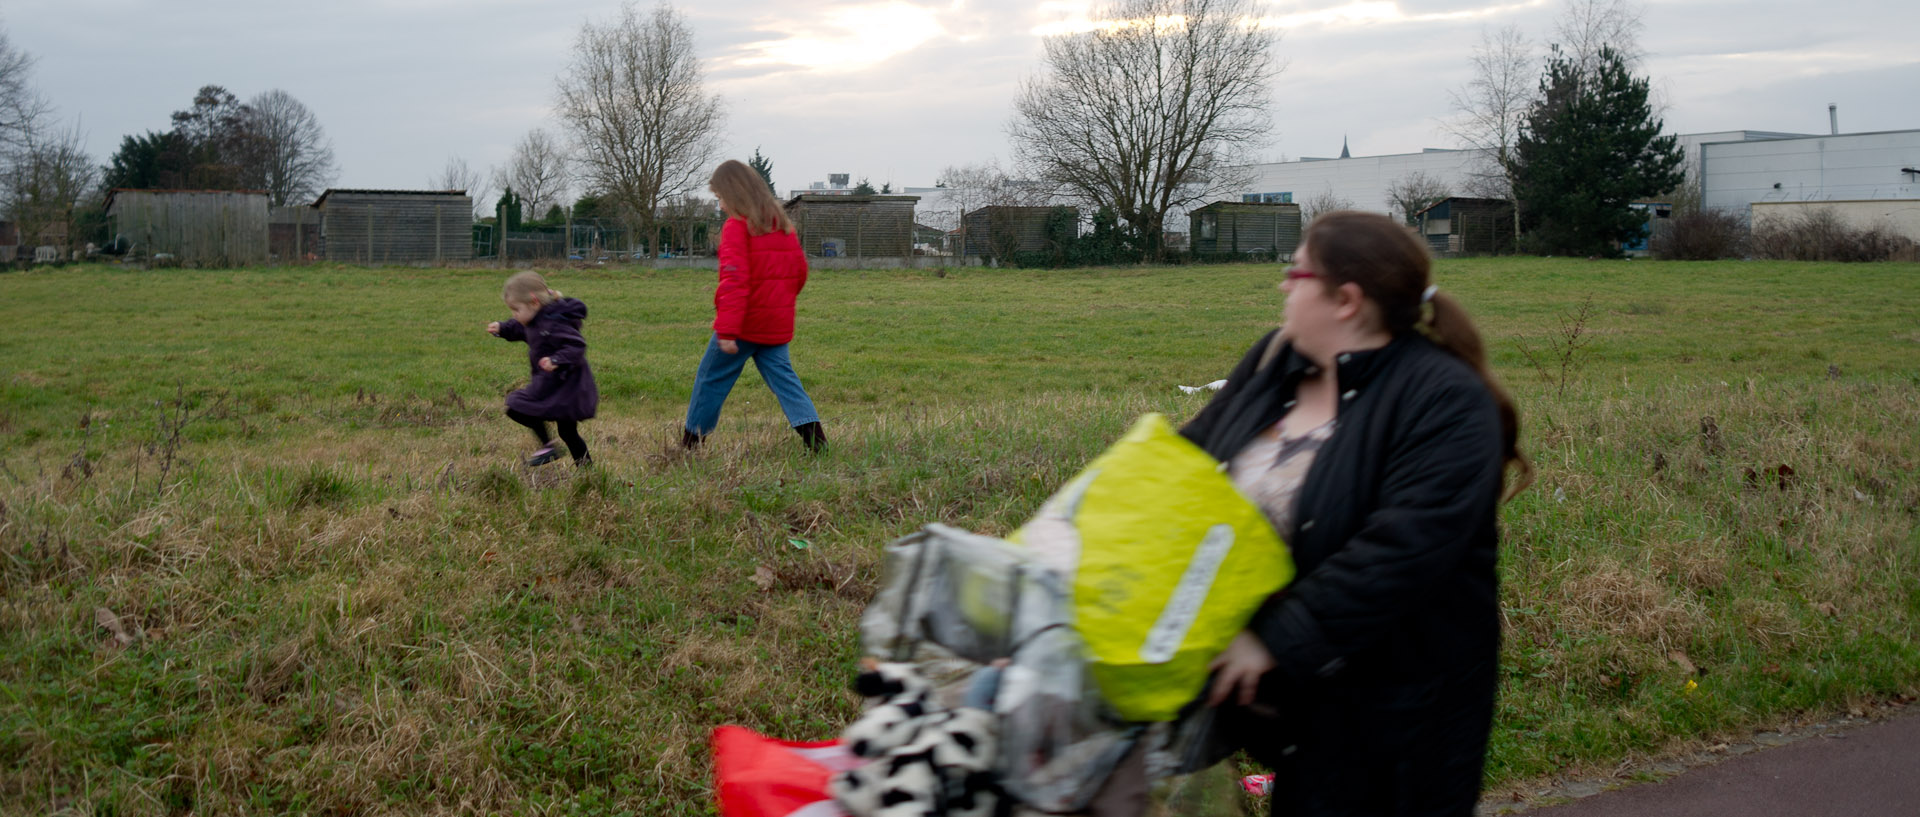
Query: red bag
<point>757,776</point>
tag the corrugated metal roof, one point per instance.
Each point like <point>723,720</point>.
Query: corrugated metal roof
<point>118,190</point>
<point>832,198</point>
<point>371,192</point>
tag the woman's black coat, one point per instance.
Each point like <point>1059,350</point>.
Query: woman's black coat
<point>1387,641</point>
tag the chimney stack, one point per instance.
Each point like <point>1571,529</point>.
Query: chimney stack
<point>1833,118</point>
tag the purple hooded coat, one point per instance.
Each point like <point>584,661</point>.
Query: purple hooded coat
<point>567,392</point>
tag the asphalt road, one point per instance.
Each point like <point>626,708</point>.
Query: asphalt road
<point>1869,771</point>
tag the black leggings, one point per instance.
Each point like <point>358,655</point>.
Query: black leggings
<point>569,432</point>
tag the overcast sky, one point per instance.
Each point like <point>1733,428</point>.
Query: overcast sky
<point>895,90</point>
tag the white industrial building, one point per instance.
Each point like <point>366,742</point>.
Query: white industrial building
<point>1876,175</point>
<point>1363,181</point>
<point>1878,171</point>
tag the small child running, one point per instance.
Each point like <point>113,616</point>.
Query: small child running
<point>562,388</point>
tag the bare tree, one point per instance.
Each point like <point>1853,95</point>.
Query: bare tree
<point>1416,191</point>
<point>46,177</point>
<point>22,108</point>
<point>215,131</point>
<point>44,169</point>
<point>1158,108</point>
<point>289,154</point>
<point>1489,109</point>
<point>538,171</point>
<point>1585,26</point>
<point>682,218</point>
<point>458,176</point>
<point>636,108</point>
<point>1322,203</point>
<point>971,187</point>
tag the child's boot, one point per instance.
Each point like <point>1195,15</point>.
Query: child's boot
<point>812,436</point>
<point>690,440</point>
<point>551,452</point>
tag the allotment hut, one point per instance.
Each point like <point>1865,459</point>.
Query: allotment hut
<point>395,226</point>
<point>1245,228</point>
<point>195,228</point>
<point>854,226</point>
<point>1001,231</point>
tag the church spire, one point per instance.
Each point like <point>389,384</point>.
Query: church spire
<point>1343,147</point>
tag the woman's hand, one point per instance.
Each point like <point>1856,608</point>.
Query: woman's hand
<point>1238,670</point>
<point>730,347</point>
<point>547,364</point>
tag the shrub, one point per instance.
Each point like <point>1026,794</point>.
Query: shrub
<point>1821,235</point>
<point>1701,235</point>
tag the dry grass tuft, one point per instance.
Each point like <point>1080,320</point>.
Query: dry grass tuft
<point>1618,602</point>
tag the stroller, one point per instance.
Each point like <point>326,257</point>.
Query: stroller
<point>1022,673</point>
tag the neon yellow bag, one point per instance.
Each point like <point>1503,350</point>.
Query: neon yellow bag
<point>1168,562</point>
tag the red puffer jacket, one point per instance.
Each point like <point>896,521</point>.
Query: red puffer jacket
<point>760,275</point>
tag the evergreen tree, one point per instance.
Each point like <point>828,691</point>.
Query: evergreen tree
<point>592,208</point>
<point>763,166</point>
<point>864,189</point>
<point>1589,147</point>
<point>155,159</point>
<point>510,204</point>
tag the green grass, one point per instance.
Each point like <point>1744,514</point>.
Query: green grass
<point>294,486</point>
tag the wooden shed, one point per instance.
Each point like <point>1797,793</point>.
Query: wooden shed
<point>1467,226</point>
<point>854,226</point>
<point>395,226</point>
<point>1001,231</point>
<point>198,228</point>
<point>1244,228</point>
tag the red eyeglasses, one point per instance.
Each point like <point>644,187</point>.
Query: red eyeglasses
<point>1297,273</point>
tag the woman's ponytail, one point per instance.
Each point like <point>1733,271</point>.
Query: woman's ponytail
<point>1448,326</point>
<point>1394,268</point>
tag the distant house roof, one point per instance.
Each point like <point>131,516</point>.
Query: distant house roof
<point>370,192</point>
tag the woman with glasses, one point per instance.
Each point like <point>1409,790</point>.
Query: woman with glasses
<point>1370,430</point>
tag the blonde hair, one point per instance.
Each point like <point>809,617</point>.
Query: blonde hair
<point>528,286</point>
<point>746,195</point>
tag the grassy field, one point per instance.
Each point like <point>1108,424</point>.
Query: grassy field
<point>265,546</point>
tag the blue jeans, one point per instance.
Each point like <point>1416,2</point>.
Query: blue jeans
<point>718,370</point>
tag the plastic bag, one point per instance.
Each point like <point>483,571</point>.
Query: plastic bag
<point>1168,561</point>
<point>758,776</point>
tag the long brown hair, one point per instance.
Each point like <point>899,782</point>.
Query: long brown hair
<point>747,195</point>
<point>1393,269</point>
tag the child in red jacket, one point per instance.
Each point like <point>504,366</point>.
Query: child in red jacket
<point>762,270</point>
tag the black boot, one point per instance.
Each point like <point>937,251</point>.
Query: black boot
<point>690,440</point>
<point>812,436</point>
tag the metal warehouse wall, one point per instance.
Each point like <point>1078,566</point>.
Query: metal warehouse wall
<point>1847,167</point>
